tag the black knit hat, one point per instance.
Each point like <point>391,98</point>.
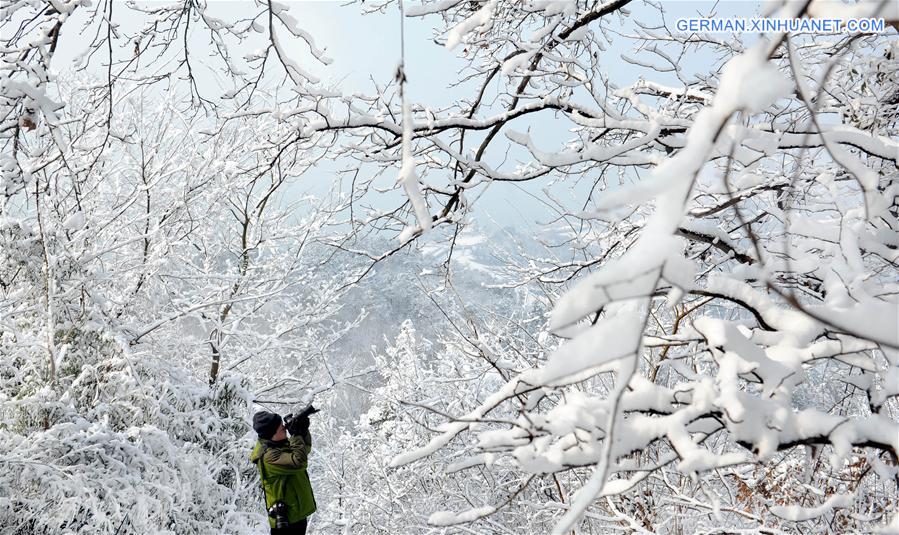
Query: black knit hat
<point>266,424</point>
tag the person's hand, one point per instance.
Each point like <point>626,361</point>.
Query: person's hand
<point>298,426</point>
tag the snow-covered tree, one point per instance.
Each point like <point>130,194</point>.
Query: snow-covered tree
<point>133,284</point>
<point>735,241</point>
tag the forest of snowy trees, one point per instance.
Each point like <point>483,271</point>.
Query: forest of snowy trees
<point>607,277</point>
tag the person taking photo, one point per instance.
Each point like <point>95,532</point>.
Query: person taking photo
<point>281,455</point>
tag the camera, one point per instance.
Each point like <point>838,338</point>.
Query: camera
<point>305,413</point>
<point>278,511</point>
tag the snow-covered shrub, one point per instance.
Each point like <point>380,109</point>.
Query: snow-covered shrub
<point>124,446</point>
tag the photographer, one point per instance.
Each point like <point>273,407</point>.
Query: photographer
<point>282,469</point>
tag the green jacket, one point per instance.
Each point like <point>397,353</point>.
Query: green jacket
<point>282,470</point>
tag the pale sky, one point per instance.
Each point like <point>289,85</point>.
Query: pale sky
<point>366,47</point>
